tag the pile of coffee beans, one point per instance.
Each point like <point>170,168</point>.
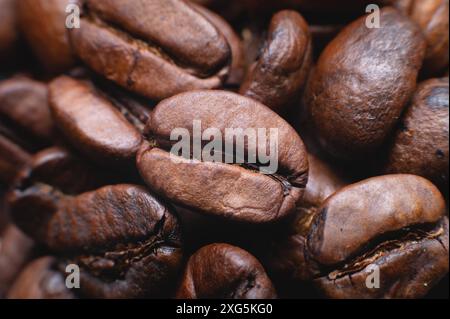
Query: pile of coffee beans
<point>224,149</point>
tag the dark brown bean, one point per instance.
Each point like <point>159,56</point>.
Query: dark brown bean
<point>40,280</point>
<point>23,103</point>
<point>224,271</point>
<point>233,191</point>
<point>277,77</point>
<point>126,243</point>
<point>8,29</point>
<point>362,82</point>
<point>394,222</point>
<point>12,158</point>
<point>92,123</point>
<point>15,251</point>
<point>432,17</point>
<point>43,23</point>
<point>420,145</point>
<point>144,60</point>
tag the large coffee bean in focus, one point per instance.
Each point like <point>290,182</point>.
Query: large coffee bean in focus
<point>393,224</point>
<point>235,191</point>
<point>362,82</point>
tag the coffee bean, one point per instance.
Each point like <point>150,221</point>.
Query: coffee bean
<point>402,232</point>
<point>277,77</point>
<point>234,192</point>
<point>16,249</point>
<point>422,147</point>
<point>44,24</point>
<point>131,163</point>
<point>362,82</point>
<point>8,29</point>
<point>190,54</point>
<point>432,17</point>
<point>24,105</point>
<point>224,271</point>
<point>136,255</point>
<point>92,123</point>
<point>40,280</point>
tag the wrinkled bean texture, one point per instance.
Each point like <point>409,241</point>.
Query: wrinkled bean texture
<point>136,255</point>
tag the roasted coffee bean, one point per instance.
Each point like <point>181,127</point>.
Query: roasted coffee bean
<point>126,243</point>
<point>62,169</point>
<point>24,107</point>
<point>12,159</point>
<point>103,131</point>
<point>394,224</point>
<point>8,29</point>
<point>362,82</point>
<point>43,22</point>
<point>234,191</point>
<point>432,17</point>
<point>224,271</point>
<point>40,280</point>
<point>119,132</point>
<point>190,54</point>
<point>25,123</point>
<point>285,257</point>
<point>420,146</point>
<point>16,249</point>
<point>277,77</point>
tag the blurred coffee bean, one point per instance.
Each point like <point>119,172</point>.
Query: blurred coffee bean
<point>16,249</point>
<point>43,23</point>
<point>420,146</point>
<point>104,131</point>
<point>362,82</point>
<point>224,271</point>
<point>235,192</point>
<point>40,280</point>
<point>190,54</point>
<point>9,34</point>
<point>277,77</point>
<point>12,158</point>
<point>432,17</point>
<point>24,105</point>
<point>25,123</point>
<point>394,225</point>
